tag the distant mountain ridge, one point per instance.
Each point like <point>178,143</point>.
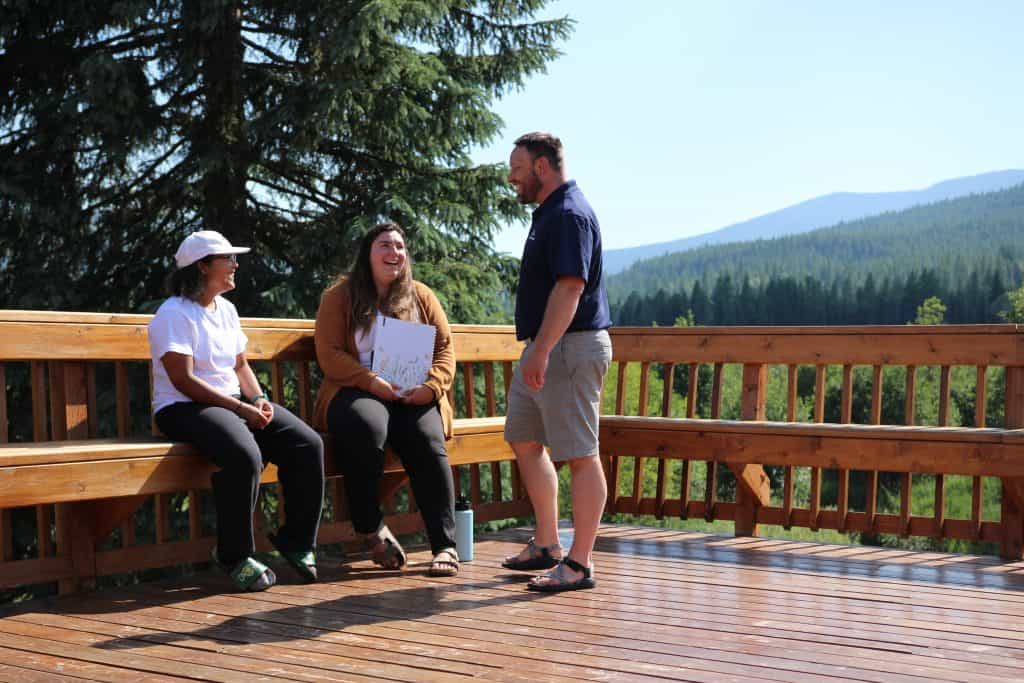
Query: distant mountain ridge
<point>819,212</point>
<point>981,232</point>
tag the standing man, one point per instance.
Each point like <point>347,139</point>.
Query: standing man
<point>555,396</point>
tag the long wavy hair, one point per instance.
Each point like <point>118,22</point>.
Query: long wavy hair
<point>400,301</point>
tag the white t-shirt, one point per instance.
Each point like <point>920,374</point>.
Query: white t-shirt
<point>213,339</point>
<point>364,343</point>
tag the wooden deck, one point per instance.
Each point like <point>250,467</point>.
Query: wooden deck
<point>669,606</point>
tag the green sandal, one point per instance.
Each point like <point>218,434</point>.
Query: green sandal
<point>249,575</point>
<point>302,561</point>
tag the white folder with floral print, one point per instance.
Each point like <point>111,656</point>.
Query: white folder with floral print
<point>403,351</point>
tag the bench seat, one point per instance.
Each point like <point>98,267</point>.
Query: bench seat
<point>77,470</point>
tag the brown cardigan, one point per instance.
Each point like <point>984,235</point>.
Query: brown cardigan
<point>336,351</point>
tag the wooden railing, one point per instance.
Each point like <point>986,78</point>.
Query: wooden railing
<point>666,452</point>
<point>86,376</point>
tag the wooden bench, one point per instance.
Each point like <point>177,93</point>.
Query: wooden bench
<point>85,483</point>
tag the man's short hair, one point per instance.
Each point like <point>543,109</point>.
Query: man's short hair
<point>542,145</point>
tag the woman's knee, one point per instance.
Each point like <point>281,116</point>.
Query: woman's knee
<point>241,460</point>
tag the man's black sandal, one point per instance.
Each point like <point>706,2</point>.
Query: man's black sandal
<point>556,583</point>
<point>540,558</point>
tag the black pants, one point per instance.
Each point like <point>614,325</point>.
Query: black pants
<point>360,425</point>
<point>239,452</point>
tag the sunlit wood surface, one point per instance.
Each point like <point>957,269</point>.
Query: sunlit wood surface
<point>669,606</point>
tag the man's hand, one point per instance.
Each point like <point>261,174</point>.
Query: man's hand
<point>383,390</point>
<point>535,367</point>
<point>419,395</point>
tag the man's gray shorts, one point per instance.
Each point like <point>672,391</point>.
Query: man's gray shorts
<point>564,414</point>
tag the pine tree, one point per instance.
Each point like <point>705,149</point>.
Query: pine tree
<point>289,127</point>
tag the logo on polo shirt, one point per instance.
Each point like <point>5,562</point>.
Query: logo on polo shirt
<point>531,236</point>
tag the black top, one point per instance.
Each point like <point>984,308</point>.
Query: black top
<point>564,240</point>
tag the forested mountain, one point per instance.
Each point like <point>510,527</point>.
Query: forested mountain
<point>965,251</point>
<point>815,213</point>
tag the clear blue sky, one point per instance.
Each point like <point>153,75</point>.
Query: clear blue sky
<point>683,116</point>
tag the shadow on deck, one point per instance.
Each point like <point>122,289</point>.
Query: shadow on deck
<point>669,605</point>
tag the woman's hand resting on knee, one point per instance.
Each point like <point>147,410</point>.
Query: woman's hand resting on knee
<point>419,395</point>
<point>383,389</point>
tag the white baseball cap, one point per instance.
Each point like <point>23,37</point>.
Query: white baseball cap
<point>204,243</point>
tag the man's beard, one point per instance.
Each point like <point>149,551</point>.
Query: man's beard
<point>528,190</point>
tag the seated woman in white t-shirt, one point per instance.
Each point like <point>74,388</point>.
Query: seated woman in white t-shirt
<point>205,393</point>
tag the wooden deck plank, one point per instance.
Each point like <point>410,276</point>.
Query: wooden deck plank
<point>670,605</point>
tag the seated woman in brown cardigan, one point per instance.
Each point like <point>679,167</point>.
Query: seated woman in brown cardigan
<point>363,412</point>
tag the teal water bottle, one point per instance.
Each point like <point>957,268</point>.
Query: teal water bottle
<point>463,530</point>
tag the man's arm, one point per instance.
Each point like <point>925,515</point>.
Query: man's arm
<point>558,314</point>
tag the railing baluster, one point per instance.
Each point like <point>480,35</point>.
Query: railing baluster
<point>645,375</point>
<point>277,382</point>
<point>161,502</point>
<point>58,418</point>
<point>944,396</point>
<point>716,392</point>
<point>791,392</point>
<point>641,410</point>
<point>819,393</point>
<point>787,477</point>
<point>692,374</point>
<point>195,516</point>
<point>492,403</point>
<point>620,389</point>
<point>469,389</point>
<point>92,413</point>
<point>909,418</point>
<point>506,377</point>
<point>684,489</point>
<point>638,472</point>
<point>711,485</point>
<point>910,397</point>
<point>492,410</point>
<point>304,389</point>
<point>469,396</point>
<point>871,486</point>
<point>122,399</point>
<point>44,518</point>
<point>661,491</point>
<point>814,504</point>
<point>980,396</point>
<point>843,475</point>
<point>39,418</point>
<point>877,381</point>
<point>977,494</point>
<point>128,532</point>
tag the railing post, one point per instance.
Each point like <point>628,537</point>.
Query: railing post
<point>752,485</point>
<point>75,521</point>
<point>1011,546</point>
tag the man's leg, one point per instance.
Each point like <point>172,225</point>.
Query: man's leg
<point>541,481</point>
<point>589,491</point>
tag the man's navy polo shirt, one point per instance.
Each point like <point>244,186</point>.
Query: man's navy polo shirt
<point>564,239</point>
